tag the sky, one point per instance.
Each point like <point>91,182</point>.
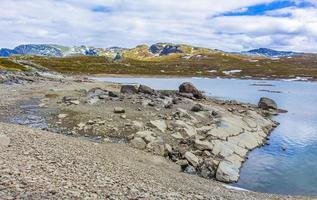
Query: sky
<point>230,25</point>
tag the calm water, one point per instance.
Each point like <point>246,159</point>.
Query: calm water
<point>268,169</point>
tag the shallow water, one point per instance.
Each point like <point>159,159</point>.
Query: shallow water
<point>268,169</point>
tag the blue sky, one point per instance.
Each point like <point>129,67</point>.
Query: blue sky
<point>231,25</point>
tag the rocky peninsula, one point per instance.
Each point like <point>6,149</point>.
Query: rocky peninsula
<point>110,134</point>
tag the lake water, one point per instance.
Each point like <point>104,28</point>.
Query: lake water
<point>268,169</point>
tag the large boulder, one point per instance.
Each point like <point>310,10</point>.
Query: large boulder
<point>190,89</point>
<point>227,172</point>
<point>128,89</point>
<point>267,103</point>
<point>146,90</point>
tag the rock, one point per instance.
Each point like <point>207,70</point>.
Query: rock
<point>203,145</point>
<point>185,128</point>
<point>113,94</point>
<point>191,89</point>
<point>128,89</point>
<point>206,173</point>
<point>177,135</point>
<point>159,124</point>
<point>168,148</point>
<point>169,105</point>
<point>123,116</point>
<point>227,172</point>
<point>138,125</point>
<point>146,90</point>
<point>75,102</point>
<point>190,170</point>
<point>138,143</point>
<point>192,159</point>
<point>62,116</point>
<point>182,162</point>
<point>144,134</point>
<point>69,98</point>
<point>4,140</point>
<point>197,108</point>
<point>102,96</point>
<point>119,110</point>
<point>93,100</point>
<point>96,92</point>
<point>157,146</point>
<point>266,104</point>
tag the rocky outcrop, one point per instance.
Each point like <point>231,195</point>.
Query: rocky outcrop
<point>189,88</point>
<point>267,103</point>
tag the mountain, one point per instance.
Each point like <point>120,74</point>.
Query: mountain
<point>7,52</point>
<point>270,53</point>
<point>52,50</point>
<point>140,52</point>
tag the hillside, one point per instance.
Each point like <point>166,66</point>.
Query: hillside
<point>169,59</point>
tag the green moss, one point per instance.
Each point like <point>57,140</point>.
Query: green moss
<point>174,64</point>
<point>7,64</point>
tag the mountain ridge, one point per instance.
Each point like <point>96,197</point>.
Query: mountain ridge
<point>140,51</point>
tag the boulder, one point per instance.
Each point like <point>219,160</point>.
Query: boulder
<point>146,90</point>
<point>4,140</point>
<point>128,89</point>
<point>267,103</point>
<point>138,143</point>
<point>192,159</point>
<point>191,89</point>
<point>227,172</point>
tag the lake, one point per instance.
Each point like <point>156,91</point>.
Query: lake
<point>268,169</point>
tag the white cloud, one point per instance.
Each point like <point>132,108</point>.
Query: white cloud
<point>72,22</point>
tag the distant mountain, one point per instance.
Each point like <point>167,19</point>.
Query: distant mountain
<point>52,50</point>
<point>162,49</point>
<point>142,52</point>
<point>270,53</point>
<point>7,52</point>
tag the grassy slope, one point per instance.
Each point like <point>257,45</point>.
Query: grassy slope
<point>7,64</point>
<point>140,62</point>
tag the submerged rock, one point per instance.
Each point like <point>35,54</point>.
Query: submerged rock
<point>267,103</point>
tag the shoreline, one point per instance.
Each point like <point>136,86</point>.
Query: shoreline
<point>72,88</point>
<point>301,79</point>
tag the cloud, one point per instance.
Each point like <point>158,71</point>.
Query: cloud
<point>104,23</point>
